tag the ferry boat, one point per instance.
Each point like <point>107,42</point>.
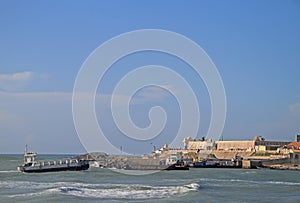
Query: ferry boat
<point>32,165</point>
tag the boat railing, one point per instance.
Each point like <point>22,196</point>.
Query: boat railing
<point>53,163</point>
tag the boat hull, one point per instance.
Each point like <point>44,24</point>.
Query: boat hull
<point>177,167</point>
<point>52,169</point>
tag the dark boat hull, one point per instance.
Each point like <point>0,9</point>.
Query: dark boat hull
<point>216,166</point>
<point>55,169</point>
<point>177,167</point>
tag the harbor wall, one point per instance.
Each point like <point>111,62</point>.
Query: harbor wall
<point>231,154</point>
<point>267,162</point>
<point>247,164</point>
<point>235,145</point>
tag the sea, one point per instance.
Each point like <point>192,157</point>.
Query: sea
<point>111,185</point>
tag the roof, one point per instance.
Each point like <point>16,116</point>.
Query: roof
<point>294,145</point>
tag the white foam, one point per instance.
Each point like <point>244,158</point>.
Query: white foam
<point>250,181</point>
<point>38,185</point>
<point>35,194</point>
<point>193,186</point>
<point>282,183</point>
<point>102,191</point>
<point>9,171</point>
<point>131,191</point>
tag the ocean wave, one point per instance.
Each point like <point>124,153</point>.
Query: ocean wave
<point>107,191</point>
<point>41,185</point>
<point>281,183</point>
<point>9,171</point>
<point>131,191</point>
<point>251,181</point>
<point>34,194</point>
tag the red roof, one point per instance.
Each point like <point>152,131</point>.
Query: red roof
<point>295,145</point>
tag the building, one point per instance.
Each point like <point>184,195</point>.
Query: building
<point>295,156</point>
<point>294,152</point>
<point>269,145</point>
<point>202,149</point>
<point>240,145</point>
<point>256,144</point>
<point>294,145</point>
<point>198,149</point>
<point>186,142</point>
<point>199,146</point>
<point>297,138</point>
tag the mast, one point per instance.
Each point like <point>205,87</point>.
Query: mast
<point>25,153</point>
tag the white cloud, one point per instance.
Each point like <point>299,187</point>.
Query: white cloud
<point>16,81</point>
<point>22,76</point>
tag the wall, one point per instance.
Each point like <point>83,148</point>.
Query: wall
<point>202,145</point>
<point>235,145</point>
<point>276,161</point>
<point>271,145</point>
<point>295,158</point>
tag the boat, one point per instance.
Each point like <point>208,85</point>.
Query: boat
<point>179,165</point>
<point>235,162</point>
<point>32,165</point>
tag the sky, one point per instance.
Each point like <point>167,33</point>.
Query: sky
<point>255,45</point>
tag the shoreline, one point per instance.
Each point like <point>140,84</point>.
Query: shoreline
<point>291,167</point>
<point>102,160</point>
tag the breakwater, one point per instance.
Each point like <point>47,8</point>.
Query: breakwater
<point>99,159</point>
<point>103,160</point>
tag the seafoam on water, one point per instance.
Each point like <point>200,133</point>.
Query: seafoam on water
<point>103,191</point>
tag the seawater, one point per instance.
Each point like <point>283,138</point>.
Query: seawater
<point>105,185</point>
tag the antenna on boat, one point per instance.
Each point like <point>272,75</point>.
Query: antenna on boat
<point>26,148</point>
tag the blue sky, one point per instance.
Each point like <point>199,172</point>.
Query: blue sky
<point>254,44</point>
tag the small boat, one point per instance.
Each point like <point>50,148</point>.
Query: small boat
<point>179,165</point>
<point>31,165</point>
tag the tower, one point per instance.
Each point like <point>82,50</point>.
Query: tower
<point>297,138</point>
